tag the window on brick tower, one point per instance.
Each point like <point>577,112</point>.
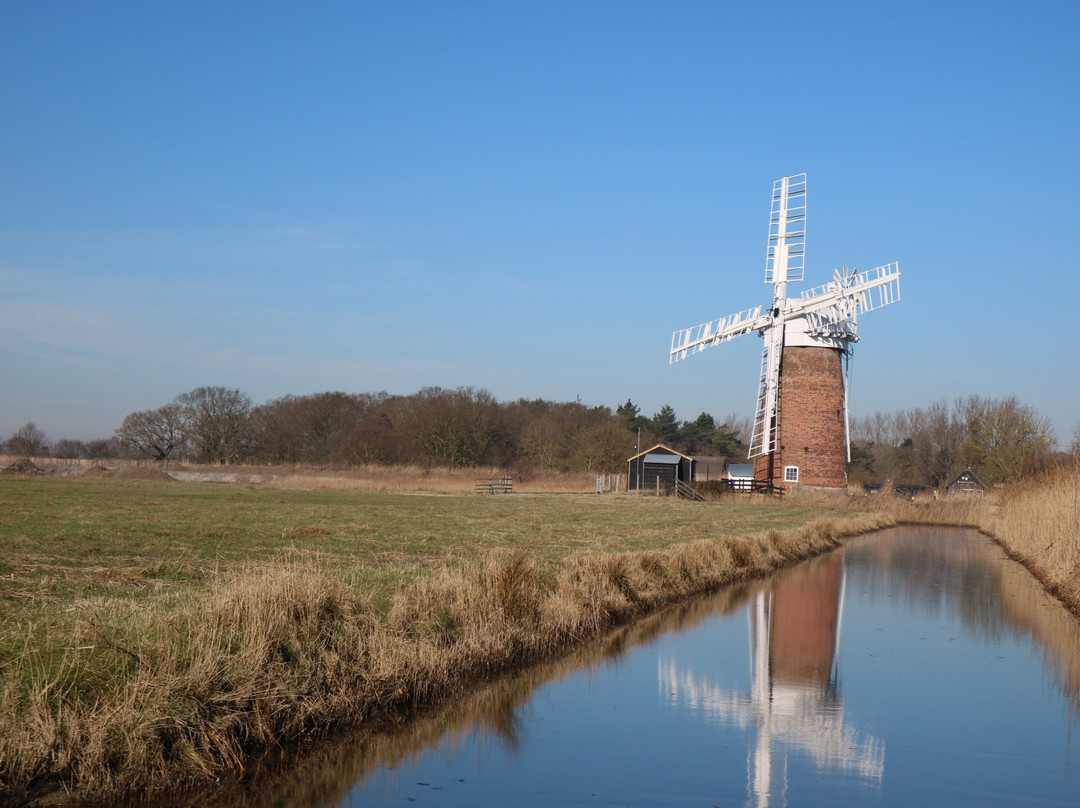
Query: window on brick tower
<point>791,474</point>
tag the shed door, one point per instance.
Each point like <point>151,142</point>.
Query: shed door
<point>665,473</point>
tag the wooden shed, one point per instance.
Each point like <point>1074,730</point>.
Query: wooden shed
<point>657,469</point>
<point>966,483</point>
<point>710,467</point>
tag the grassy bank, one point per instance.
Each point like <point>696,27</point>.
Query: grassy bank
<point>160,635</point>
<point>157,635</point>
<point>1038,523</point>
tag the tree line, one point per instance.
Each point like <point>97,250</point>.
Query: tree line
<point>457,428</point>
<point>1001,439</point>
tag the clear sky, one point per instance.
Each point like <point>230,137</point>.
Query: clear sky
<point>526,197</point>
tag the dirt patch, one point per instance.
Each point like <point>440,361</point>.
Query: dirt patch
<point>97,473</point>
<point>143,473</point>
<point>127,473</point>
<point>23,465</point>
<point>306,532</point>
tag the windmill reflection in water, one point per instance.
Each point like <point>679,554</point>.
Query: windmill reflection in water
<point>794,701</point>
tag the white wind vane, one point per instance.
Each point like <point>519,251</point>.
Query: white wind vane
<point>826,315</point>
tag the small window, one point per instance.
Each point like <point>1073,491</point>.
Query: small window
<point>791,474</point>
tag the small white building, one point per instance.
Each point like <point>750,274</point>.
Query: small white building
<point>741,476</point>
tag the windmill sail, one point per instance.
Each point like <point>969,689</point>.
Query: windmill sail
<point>815,331</point>
<point>785,259</point>
<point>763,439</point>
<point>832,310</point>
<point>690,341</point>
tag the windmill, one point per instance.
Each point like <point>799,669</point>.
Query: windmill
<point>800,430</point>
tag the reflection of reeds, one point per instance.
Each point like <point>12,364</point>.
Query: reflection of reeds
<point>1056,631</point>
<point>154,698</point>
<point>1036,522</point>
<point>323,774</point>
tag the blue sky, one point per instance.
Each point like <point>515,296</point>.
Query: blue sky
<point>526,197</point>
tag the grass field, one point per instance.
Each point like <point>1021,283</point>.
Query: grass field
<point>69,540</point>
<point>156,634</point>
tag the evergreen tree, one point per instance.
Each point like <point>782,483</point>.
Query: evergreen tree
<point>665,425</point>
<point>630,413</point>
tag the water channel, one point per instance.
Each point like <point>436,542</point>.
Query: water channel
<point>915,666</point>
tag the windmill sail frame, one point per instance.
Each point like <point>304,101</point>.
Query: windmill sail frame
<point>823,317</point>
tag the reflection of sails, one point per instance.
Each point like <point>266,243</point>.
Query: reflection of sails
<point>794,699</point>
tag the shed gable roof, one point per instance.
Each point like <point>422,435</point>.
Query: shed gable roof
<point>662,450</point>
<point>663,458</point>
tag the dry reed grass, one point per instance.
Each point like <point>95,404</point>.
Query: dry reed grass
<point>149,698</point>
<point>1038,523</point>
<point>179,692</point>
<point>402,479</point>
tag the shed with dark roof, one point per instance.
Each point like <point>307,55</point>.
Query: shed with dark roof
<point>658,469</point>
<point>966,483</point>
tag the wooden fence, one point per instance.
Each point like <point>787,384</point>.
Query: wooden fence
<point>495,485</point>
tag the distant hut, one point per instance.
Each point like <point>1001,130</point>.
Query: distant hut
<point>658,468</point>
<point>966,483</point>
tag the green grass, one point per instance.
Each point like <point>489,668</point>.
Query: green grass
<point>67,539</point>
<point>69,545</point>
<point>209,615</point>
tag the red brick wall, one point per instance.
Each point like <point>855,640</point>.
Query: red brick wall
<point>811,418</point>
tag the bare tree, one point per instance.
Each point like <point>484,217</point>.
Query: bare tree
<point>28,441</point>
<point>216,422</point>
<point>462,427</point>
<point>601,448</point>
<point>922,446</point>
<point>1005,439</point>
<point>308,429</point>
<point>69,449</point>
<point>154,432</point>
<point>104,448</point>
<point>937,436</point>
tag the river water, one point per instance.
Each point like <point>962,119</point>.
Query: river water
<point>913,667</point>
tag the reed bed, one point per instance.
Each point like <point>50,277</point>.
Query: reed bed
<point>123,696</point>
<point>959,510</point>
<point>1038,523</point>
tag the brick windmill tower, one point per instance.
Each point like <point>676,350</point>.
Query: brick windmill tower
<point>801,422</point>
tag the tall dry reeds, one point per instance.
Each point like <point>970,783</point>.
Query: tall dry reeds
<point>150,699</point>
<point>1038,522</point>
<point>959,509</point>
